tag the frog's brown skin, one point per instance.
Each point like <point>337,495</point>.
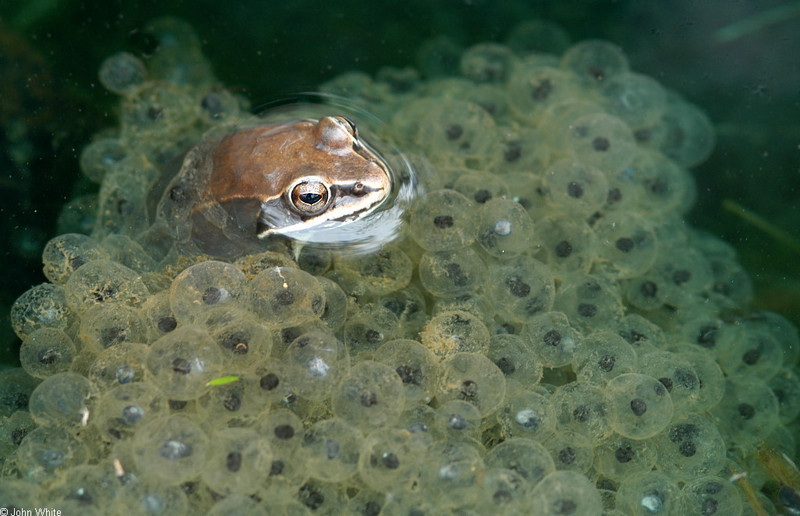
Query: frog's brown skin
<point>299,174</point>
<point>282,179</point>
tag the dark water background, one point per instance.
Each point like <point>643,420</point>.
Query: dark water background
<point>747,79</point>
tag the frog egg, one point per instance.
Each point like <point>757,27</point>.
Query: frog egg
<point>650,493</point>
<point>551,337</point>
<point>131,254</point>
<point>527,457</point>
<point>642,334</point>
<point>687,271</point>
<point>456,132</point>
<point>122,200</point>
<point>158,316</point>
<point>382,272</point>
<point>414,363</point>
<point>748,412</point>
<point>512,354</point>
<point>646,292</point>
<point>684,134</point>
<point>286,297</point>
<point>388,459</point>
<point>171,448</point>
<point>521,289</point>
<point>42,306</point>
<point>709,375</point>
<point>618,457</point>
<point>371,395</point>
<point>104,281</point>
<point>450,472</point>
<point>284,430</point>
<point>368,328</point>
<point>574,188</point>
<point>272,384</point>
<point>331,450</point>
<point>504,228</point>
<point>60,400</point>
<point>122,72</point>
<point>637,99</point>
<point>120,364</point>
<point>451,273</point>
<point>676,374</point>
<point>107,325</point>
<point>422,421</point>
<point>238,462</point>
<point>205,285</point>
<point>565,492</point>
<point>487,62</point>
<point>782,329</point>
<point>231,404</point>
<point>287,474</point>
<point>283,338</point>
<point>627,243</point>
<point>600,140</point>
<point>64,254</point>
<point>409,306</point>
<point>711,495</point>
<point>46,352</point>
<point>442,220</point>
<point>155,498</point>
<point>455,331</point>
<point>459,421</point>
<point>254,264</point>
<point>536,86</point>
<point>85,487</point>
<point>594,61</point>
<point>335,311</point>
<point>19,493</point>
<point>121,411</point>
<point>571,451</point>
<point>640,406</point>
<point>316,362</point>
<point>522,149</point>
<point>502,491</point>
<point>589,302</point>
<point>315,260</point>
<point>583,408</point>
<point>13,431</point>
<point>49,450</point>
<point>743,351</point>
<point>400,81</point>
<point>367,502</point>
<point>690,446</point>
<point>786,387</point>
<point>325,497</point>
<point>568,244</point>
<point>183,362</point>
<point>473,378</point>
<point>528,414</point>
<point>241,338</point>
<point>604,355</point>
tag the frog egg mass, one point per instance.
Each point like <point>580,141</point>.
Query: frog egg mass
<point>529,325</point>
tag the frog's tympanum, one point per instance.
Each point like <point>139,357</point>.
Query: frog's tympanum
<point>293,179</point>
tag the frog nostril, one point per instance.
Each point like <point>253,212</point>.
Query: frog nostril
<point>359,189</point>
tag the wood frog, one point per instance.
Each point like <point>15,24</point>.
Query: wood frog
<point>287,179</point>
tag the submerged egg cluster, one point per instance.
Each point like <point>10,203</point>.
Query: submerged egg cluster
<point>547,336</point>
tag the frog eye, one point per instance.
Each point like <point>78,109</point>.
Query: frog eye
<point>310,197</point>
